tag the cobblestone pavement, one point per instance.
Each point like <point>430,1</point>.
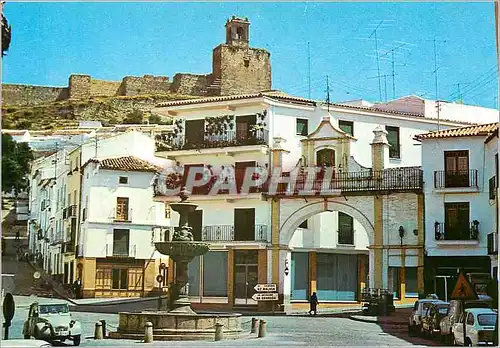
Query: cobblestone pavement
<point>282,331</point>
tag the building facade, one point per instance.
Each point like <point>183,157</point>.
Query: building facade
<point>356,236</point>
<point>460,173</point>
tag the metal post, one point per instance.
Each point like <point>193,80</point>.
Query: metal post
<point>445,289</point>
<point>262,328</point>
<point>98,331</point>
<point>463,324</point>
<point>255,324</point>
<point>218,331</point>
<point>103,327</point>
<point>6,331</point>
<point>148,332</point>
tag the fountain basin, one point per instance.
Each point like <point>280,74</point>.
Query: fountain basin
<point>188,250</point>
<point>176,326</point>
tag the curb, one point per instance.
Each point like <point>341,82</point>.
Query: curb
<point>379,321</point>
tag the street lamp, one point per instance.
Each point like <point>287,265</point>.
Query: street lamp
<point>401,233</point>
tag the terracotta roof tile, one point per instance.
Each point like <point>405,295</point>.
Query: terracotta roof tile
<point>286,97</point>
<point>479,130</point>
<point>128,163</point>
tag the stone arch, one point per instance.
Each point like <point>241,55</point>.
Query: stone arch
<point>293,221</point>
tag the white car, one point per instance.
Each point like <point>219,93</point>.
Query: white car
<point>419,310</point>
<point>24,343</point>
<point>51,321</point>
<point>479,327</point>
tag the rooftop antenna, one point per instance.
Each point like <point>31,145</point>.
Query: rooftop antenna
<point>374,33</point>
<point>327,95</point>
<point>392,52</point>
<point>385,76</point>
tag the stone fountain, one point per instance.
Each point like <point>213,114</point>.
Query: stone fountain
<point>180,322</point>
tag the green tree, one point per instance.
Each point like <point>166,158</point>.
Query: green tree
<point>16,158</point>
<point>134,117</point>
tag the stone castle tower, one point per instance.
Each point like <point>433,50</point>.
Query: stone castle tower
<point>236,67</point>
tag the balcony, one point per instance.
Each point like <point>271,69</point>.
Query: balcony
<point>121,251</point>
<point>225,233</point>
<point>68,247</point>
<point>468,232</point>
<point>455,179</point>
<point>71,211</point>
<point>123,217</point>
<point>226,138</point>
<point>493,243</point>
<point>364,182</point>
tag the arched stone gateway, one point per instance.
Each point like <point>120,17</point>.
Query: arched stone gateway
<point>360,209</point>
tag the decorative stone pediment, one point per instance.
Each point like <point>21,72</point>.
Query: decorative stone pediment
<point>327,130</point>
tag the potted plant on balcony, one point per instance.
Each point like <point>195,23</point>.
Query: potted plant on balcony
<point>474,230</point>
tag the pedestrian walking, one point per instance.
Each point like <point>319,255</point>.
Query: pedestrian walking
<point>313,303</point>
<point>17,235</point>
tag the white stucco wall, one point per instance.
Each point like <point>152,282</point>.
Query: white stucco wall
<point>479,203</point>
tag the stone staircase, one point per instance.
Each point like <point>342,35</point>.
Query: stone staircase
<point>214,88</point>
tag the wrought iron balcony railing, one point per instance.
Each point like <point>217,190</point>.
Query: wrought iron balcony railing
<point>393,179</point>
<point>461,232</point>
<point>455,178</point>
<point>209,141</point>
<point>493,243</point>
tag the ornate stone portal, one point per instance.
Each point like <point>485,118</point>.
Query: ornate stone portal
<point>180,322</point>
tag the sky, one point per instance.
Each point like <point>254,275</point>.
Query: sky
<point>307,41</point>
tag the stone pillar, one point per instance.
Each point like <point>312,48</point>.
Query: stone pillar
<point>361,274</point>
<point>312,272</point>
<point>285,284</point>
<point>230,278</point>
<point>420,243</point>
<point>402,275</point>
<point>276,164</point>
<point>262,275</point>
<point>380,155</point>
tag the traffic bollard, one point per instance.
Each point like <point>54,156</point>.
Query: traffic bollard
<point>148,332</point>
<point>103,328</point>
<point>262,328</point>
<point>218,331</point>
<point>255,324</point>
<point>98,331</point>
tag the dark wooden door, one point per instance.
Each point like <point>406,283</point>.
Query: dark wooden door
<point>244,224</point>
<point>325,157</point>
<point>244,126</point>
<point>195,220</point>
<point>456,167</point>
<point>240,170</point>
<point>195,132</point>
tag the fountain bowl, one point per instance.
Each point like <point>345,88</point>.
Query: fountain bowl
<point>186,250</point>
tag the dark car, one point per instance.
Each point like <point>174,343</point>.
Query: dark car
<point>432,318</point>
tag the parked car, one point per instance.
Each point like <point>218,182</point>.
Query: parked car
<point>479,327</point>
<point>446,324</point>
<point>51,321</point>
<point>435,313</point>
<point>419,309</point>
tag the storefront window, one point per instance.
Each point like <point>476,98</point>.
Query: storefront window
<point>215,274</point>
<point>337,277</point>
<point>300,276</point>
<point>194,277</point>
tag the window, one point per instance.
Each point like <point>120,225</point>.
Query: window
<point>487,319</point>
<point>123,180</point>
<point>302,127</point>
<point>346,229</point>
<point>470,319</point>
<point>456,221</point>
<point>492,188</point>
<point>393,139</point>
<point>246,62</point>
<point>347,126</point>
<point>303,224</point>
<point>121,243</point>
<point>120,279</point>
<point>456,167</point>
<point>122,208</point>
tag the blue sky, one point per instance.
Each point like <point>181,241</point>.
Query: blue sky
<point>111,40</point>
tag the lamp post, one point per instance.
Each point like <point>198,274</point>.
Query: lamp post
<point>402,275</point>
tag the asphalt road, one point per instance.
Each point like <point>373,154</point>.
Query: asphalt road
<point>282,331</point>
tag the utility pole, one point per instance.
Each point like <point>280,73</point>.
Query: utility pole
<point>309,68</point>
<point>438,107</point>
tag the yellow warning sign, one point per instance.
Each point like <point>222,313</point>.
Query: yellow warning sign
<point>463,289</point>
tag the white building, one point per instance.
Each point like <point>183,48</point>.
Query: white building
<point>118,216</point>
<point>218,131</point>
<point>460,174</point>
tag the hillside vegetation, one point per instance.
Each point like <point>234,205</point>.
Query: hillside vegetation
<point>67,113</point>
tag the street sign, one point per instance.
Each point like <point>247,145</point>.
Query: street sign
<point>463,289</point>
<point>265,296</point>
<point>265,287</point>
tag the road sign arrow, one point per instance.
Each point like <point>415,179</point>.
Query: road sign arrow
<point>265,287</point>
<point>265,296</point>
